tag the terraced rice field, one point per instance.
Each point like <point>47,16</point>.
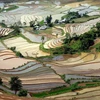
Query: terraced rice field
<point>92,69</point>
<point>30,13</point>
<point>86,64</point>
<point>5,31</point>
<point>81,28</point>
<point>71,29</point>
<point>54,43</point>
<point>5,96</point>
<point>33,37</point>
<point>83,58</point>
<point>85,94</point>
<point>94,13</point>
<point>28,18</point>
<point>7,57</point>
<point>27,49</point>
<point>35,78</point>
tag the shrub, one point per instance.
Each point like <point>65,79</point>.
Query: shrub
<point>1,81</point>
<point>19,54</point>
<point>13,49</point>
<point>22,93</point>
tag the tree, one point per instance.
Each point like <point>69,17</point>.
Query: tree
<point>13,49</point>
<point>15,84</point>
<point>32,23</point>
<point>16,29</point>
<point>86,43</point>
<point>24,23</point>
<point>19,54</point>
<point>42,38</point>
<point>56,21</point>
<point>22,93</point>
<point>49,19</point>
<point>1,81</point>
<point>74,36</point>
<point>98,26</point>
<point>67,39</point>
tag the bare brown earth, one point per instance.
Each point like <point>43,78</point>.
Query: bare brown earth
<point>85,64</point>
<point>4,96</point>
<point>8,60</point>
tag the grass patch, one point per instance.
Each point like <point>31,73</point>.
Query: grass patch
<point>64,89</point>
<point>43,49</point>
<point>48,31</point>
<point>12,7</point>
<point>54,91</point>
<point>30,29</point>
<point>3,25</point>
<point>97,47</point>
<point>52,51</point>
<point>85,19</point>
<point>57,91</point>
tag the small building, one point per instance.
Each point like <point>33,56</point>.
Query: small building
<point>43,27</point>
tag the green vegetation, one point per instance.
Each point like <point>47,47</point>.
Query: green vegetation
<point>71,15</point>
<point>18,54</point>
<point>1,82</point>
<point>41,23</point>
<point>55,91</point>
<point>74,17</point>
<point>82,43</point>
<point>76,44</point>
<point>85,19</point>
<point>47,31</point>
<point>22,93</point>
<point>64,89</point>
<point>16,32</point>
<point>49,21</point>
<point>94,84</point>
<point>11,7</point>
<point>58,90</point>
<point>15,84</point>
<point>3,25</point>
<point>56,51</point>
<point>97,46</point>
